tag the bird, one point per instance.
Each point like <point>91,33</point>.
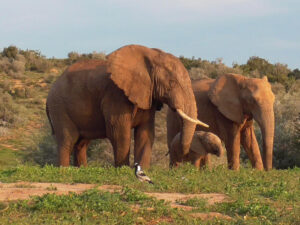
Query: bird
<point>139,173</point>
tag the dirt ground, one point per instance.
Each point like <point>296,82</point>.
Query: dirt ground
<point>23,190</point>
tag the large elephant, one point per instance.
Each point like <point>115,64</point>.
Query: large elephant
<point>203,143</point>
<point>228,105</point>
<point>107,98</point>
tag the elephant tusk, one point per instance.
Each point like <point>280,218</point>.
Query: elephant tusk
<point>184,116</point>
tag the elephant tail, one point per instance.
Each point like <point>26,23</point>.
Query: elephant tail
<point>48,115</point>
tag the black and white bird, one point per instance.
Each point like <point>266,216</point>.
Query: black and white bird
<point>139,173</point>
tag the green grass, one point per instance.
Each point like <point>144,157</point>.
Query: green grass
<point>255,197</point>
<point>9,158</point>
<point>91,207</point>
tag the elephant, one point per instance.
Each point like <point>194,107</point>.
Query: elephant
<point>97,99</point>
<point>202,144</point>
<point>229,104</point>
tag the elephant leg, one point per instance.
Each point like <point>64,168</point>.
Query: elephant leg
<point>120,136</point>
<point>249,143</point>
<point>66,135</point>
<point>173,159</point>
<point>203,161</point>
<point>233,148</point>
<point>207,161</point>
<point>143,142</point>
<point>197,162</point>
<point>80,149</point>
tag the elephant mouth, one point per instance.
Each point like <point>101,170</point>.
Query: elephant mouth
<point>186,117</point>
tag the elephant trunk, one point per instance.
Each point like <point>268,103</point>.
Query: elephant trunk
<point>188,126</point>
<point>265,119</point>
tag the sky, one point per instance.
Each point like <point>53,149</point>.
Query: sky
<point>233,30</point>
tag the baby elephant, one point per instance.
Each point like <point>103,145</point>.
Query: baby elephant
<point>202,144</point>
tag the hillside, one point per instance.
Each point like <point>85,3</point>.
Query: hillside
<point>26,76</point>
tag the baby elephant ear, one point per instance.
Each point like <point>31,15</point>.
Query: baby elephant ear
<point>197,146</point>
<point>130,69</point>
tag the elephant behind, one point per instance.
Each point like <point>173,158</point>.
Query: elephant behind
<point>229,105</point>
<point>107,98</point>
<point>202,144</point>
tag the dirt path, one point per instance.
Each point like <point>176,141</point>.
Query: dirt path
<point>24,190</point>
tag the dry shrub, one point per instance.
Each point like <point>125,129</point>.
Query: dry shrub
<point>206,69</point>
<point>9,111</point>
<point>4,64</point>
<point>13,67</point>
<point>43,149</point>
<point>36,62</point>
<point>18,66</point>
<point>98,55</point>
<point>197,73</point>
<point>4,131</point>
<point>5,86</point>
<point>75,56</point>
<point>50,78</point>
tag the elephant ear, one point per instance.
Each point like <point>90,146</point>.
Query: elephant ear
<point>224,93</point>
<point>197,146</point>
<point>130,69</point>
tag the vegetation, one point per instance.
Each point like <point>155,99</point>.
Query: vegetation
<point>25,138</point>
<point>254,197</point>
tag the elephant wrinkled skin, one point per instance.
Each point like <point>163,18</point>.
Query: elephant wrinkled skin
<point>228,105</point>
<point>107,98</point>
<point>202,144</point>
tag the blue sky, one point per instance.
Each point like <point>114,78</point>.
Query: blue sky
<point>230,29</point>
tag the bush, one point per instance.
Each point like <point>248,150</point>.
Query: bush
<point>43,150</point>
<point>75,56</point>
<point>5,64</point>
<point>35,61</point>
<point>10,52</point>
<point>13,67</point>
<point>9,110</point>
<point>18,66</point>
<point>199,69</point>
<point>259,67</point>
<point>294,74</point>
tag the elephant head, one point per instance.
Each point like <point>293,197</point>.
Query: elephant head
<point>238,97</point>
<point>202,144</point>
<point>147,75</point>
<point>206,142</point>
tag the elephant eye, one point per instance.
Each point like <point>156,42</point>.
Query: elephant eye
<point>250,100</point>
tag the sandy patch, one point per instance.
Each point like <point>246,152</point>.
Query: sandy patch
<point>24,190</point>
